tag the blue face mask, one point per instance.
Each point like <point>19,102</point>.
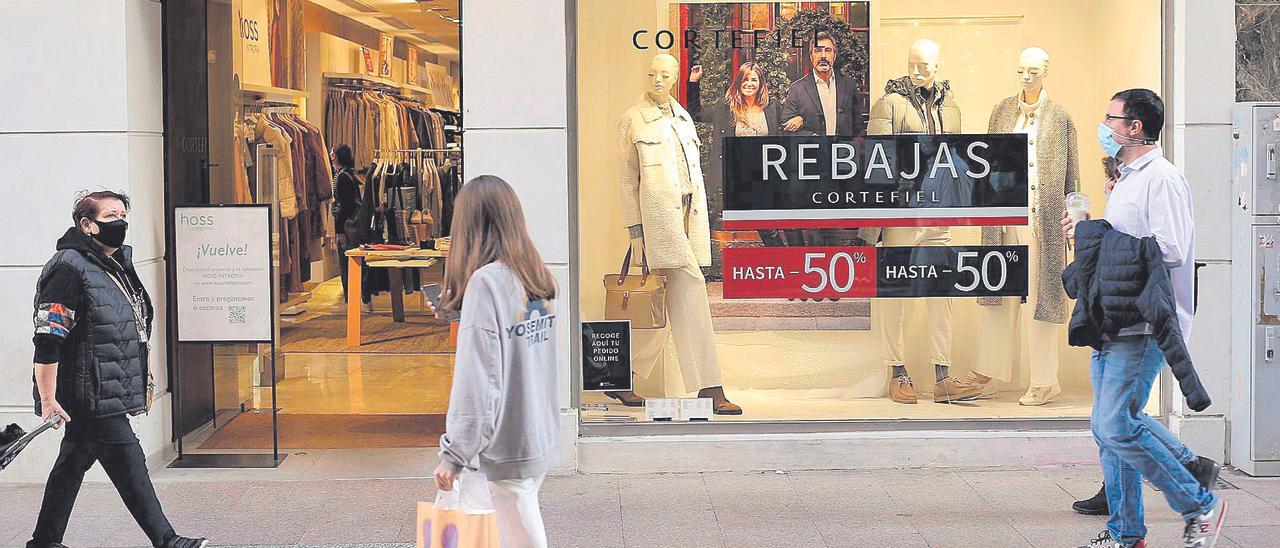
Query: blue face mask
<point>1109,144</point>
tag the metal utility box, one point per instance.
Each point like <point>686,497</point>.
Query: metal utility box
<point>1255,292</point>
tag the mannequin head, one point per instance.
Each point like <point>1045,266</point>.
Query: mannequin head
<point>663,71</point>
<point>822,55</point>
<point>1033,67</point>
<point>922,63</point>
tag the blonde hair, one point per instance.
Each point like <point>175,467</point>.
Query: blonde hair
<point>488,226</point>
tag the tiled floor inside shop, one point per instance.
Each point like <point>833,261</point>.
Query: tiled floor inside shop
<point>392,391</point>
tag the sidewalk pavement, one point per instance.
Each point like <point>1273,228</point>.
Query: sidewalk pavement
<point>906,507</point>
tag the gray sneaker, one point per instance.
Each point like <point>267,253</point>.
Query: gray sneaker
<point>1203,531</point>
<point>184,542</point>
<point>1104,540</point>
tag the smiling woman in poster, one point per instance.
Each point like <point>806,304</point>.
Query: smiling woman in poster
<point>744,110</point>
<point>92,323</point>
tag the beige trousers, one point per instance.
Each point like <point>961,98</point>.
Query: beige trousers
<point>1000,333</point>
<point>887,314</point>
<point>688,327</point>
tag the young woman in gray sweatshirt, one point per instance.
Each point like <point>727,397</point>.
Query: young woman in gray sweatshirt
<point>503,413</point>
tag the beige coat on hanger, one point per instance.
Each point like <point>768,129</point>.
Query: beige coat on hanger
<point>284,167</point>
<point>650,181</point>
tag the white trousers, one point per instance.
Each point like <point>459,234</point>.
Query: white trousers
<point>515,504</point>
<point>887,314</point>
<point>1000,333</point>
<point>689,327</point>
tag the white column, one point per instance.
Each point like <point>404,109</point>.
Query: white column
<point>1203,92</point>
<point>83,110</point>
<point>515,113</point>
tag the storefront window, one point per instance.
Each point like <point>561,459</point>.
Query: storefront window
<point>345,118</point>
<point>791,170</point>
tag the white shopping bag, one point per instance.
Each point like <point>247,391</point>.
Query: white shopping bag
<point>461,518</point>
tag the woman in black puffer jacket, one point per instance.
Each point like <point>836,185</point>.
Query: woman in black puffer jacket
<point>92,323</point>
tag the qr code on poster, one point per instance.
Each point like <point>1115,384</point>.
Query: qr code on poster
<point>235,314</point>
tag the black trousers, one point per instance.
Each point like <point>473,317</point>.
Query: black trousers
<point>112,443</point>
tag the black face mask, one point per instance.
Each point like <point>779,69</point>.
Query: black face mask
<point>111,234</point>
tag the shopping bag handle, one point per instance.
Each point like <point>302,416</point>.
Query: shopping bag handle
<point>447,500</point>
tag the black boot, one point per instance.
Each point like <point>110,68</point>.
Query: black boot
<point>628,398</point>
<point>1093,506</point>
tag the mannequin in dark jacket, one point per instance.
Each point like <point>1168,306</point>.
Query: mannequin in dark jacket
<point>1120,281</point>
<point>92,323</point>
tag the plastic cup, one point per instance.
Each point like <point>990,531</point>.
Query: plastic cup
<point>1077,207</point>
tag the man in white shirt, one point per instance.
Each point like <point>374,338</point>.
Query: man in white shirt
<point>1151,199</point>
<point>823,102</point>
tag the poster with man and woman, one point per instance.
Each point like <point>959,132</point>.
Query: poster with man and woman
<point>771,68</point>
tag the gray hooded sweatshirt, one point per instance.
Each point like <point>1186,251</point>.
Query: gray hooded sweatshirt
<point>503,415</point>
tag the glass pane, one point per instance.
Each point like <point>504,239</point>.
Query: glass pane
<point>285,92</point>
<point>728,319</point>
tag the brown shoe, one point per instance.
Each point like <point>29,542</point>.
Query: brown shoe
<point>952,389</point>
<point>628,398</point>
<point>901,390</point>
<point>720,403</point>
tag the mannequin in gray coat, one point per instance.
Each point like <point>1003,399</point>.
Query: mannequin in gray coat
<point>1053,171</point>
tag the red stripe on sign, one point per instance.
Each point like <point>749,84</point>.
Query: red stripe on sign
<point>887,222</point>
<point>799,272</point>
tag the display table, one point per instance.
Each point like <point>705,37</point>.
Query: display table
<point>396,261</point>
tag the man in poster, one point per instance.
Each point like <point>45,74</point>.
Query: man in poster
<point>822,103</point>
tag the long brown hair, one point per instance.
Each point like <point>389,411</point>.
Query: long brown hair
<point>488,226</point>
<point>734,97</point>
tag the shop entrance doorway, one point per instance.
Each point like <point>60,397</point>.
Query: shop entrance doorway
<point>287,83</point>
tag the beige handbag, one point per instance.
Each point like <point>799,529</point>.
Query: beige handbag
<point>641,299</point>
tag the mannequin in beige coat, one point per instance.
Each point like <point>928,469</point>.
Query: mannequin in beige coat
<point>1053,171</point>
<point>664,208</point>
<point>917,103</point>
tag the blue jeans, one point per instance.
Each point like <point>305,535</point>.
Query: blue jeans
<point>1132,445</point>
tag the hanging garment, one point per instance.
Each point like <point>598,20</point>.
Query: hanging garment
<point>238,152</point>
<point>280,141</point>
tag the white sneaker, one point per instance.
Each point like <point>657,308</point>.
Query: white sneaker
<point>1104,540</point>
<point>1040,395</point>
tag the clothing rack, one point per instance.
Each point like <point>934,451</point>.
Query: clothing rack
<point>360,82</point>
<point>452,155</point>
<point>269,106</point>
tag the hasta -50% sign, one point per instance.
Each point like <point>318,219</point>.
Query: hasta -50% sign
<point>865,272</point>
